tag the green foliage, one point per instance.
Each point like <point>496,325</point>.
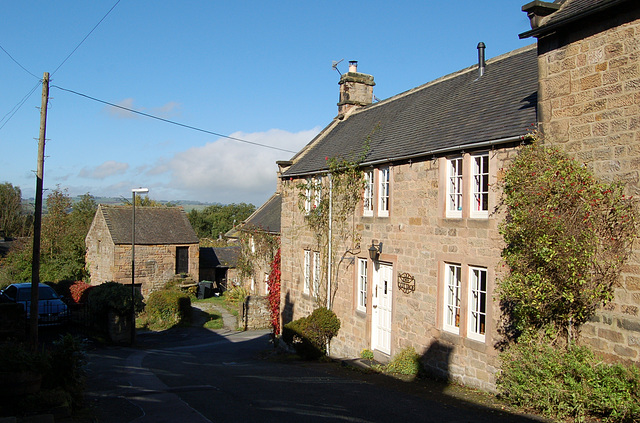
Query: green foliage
<point>62,247</point>
<point>258,249</point>
<point>62,367</point>
<point>18,357</point>
<point>14,221</point>
<point>236,295</point>
<point>166,308</point>
<point>569,383</point>
<point>339,189</point>
<point>67,367</point>
<point>218,219</point>
<point>406,362</point>
<point>310,335</point>
<point>366,354</point>
<point>567,236</point>
<point>113,296</point>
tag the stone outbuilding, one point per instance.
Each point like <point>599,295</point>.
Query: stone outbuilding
<point>218,265</point>
<point>165,246</point>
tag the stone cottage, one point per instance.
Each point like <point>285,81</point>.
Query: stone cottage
<point>589,105</point>
<point>421,265</point>
<point>166,246</point>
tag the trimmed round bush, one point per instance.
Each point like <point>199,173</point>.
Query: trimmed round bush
<point>310,335</point>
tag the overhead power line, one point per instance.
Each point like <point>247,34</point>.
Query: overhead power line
<point>18,63</point>
<point>83,40</point>
<point>173,122</point>
<point>6,118</point>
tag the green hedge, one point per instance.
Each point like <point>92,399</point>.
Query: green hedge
<point>569,383</point>
<point>310,335</point>
<point>168,307</point>
<point>113,296</point>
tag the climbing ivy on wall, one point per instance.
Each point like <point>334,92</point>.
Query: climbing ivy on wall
<point>567,237</point>
<point>328,204</point>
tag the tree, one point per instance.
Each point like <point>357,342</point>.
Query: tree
<point>64,229</point>
<point>13,221</point>
<point>567,236</point>
<point>218,219</point>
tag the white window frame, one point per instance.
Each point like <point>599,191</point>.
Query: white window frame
<point>307,272</point>
<point>477,316</point>
<point>384,191</point>
<point>316,274</point>
<point>454,187</point>
<point>362,285</point>
<point>307,196</point>
<point>480,186</point>
<point>367,201</point>
<point>452,289</point>
<point>266,284</point>
<point>317,192</point>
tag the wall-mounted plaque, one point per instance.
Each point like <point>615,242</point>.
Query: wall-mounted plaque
<point>406,283</point>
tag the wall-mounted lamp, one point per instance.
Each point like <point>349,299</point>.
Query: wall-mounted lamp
<point>375,251</point>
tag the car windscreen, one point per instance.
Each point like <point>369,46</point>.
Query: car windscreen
<point>44,293</point>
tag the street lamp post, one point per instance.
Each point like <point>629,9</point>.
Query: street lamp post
<point>134,191</point>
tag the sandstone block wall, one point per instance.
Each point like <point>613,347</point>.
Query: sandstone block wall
<point>589,105</point>
<point>419,240</point>
<point>256,313</point>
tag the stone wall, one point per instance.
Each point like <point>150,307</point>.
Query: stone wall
<point>417,239</point>
<point>256,313</point>
<point>589,102</point>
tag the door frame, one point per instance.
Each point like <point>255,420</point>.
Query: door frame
<point>377,289</point>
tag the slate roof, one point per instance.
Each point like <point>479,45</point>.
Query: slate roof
<point>452,112</point>
<point>154,225</point>
<point>571,11</point>
<point>211,257</point>
<point>267,217</point>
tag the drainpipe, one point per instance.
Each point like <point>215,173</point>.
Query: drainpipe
<point>330,249</point>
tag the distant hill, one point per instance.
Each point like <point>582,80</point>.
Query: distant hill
<point>187,205</point>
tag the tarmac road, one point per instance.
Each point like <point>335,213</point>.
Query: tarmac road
<point>197,375</point>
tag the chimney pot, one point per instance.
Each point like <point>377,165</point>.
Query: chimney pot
<point>353,66</point>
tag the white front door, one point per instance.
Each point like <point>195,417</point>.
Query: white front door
<point>381,316</point>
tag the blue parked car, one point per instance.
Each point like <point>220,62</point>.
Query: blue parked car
<point>51,309</point>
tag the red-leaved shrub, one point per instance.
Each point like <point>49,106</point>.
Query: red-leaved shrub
<point>79,291</point>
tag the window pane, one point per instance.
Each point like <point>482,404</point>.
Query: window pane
<point>452,311</point>
<point>454,187</point>
<point>481,183</point>
<point>478,303</point>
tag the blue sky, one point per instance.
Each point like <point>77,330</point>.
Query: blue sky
<point>255,70</point>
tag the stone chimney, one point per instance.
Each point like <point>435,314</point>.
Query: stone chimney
<point>356,89</point>
<point>537,10</point>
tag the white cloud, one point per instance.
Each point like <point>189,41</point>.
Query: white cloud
<point>106,169</point>
<point>165,111</point>
<point>119,113</point>
<point>229,171</point>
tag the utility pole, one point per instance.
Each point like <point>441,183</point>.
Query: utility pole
<point>37,221</point>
